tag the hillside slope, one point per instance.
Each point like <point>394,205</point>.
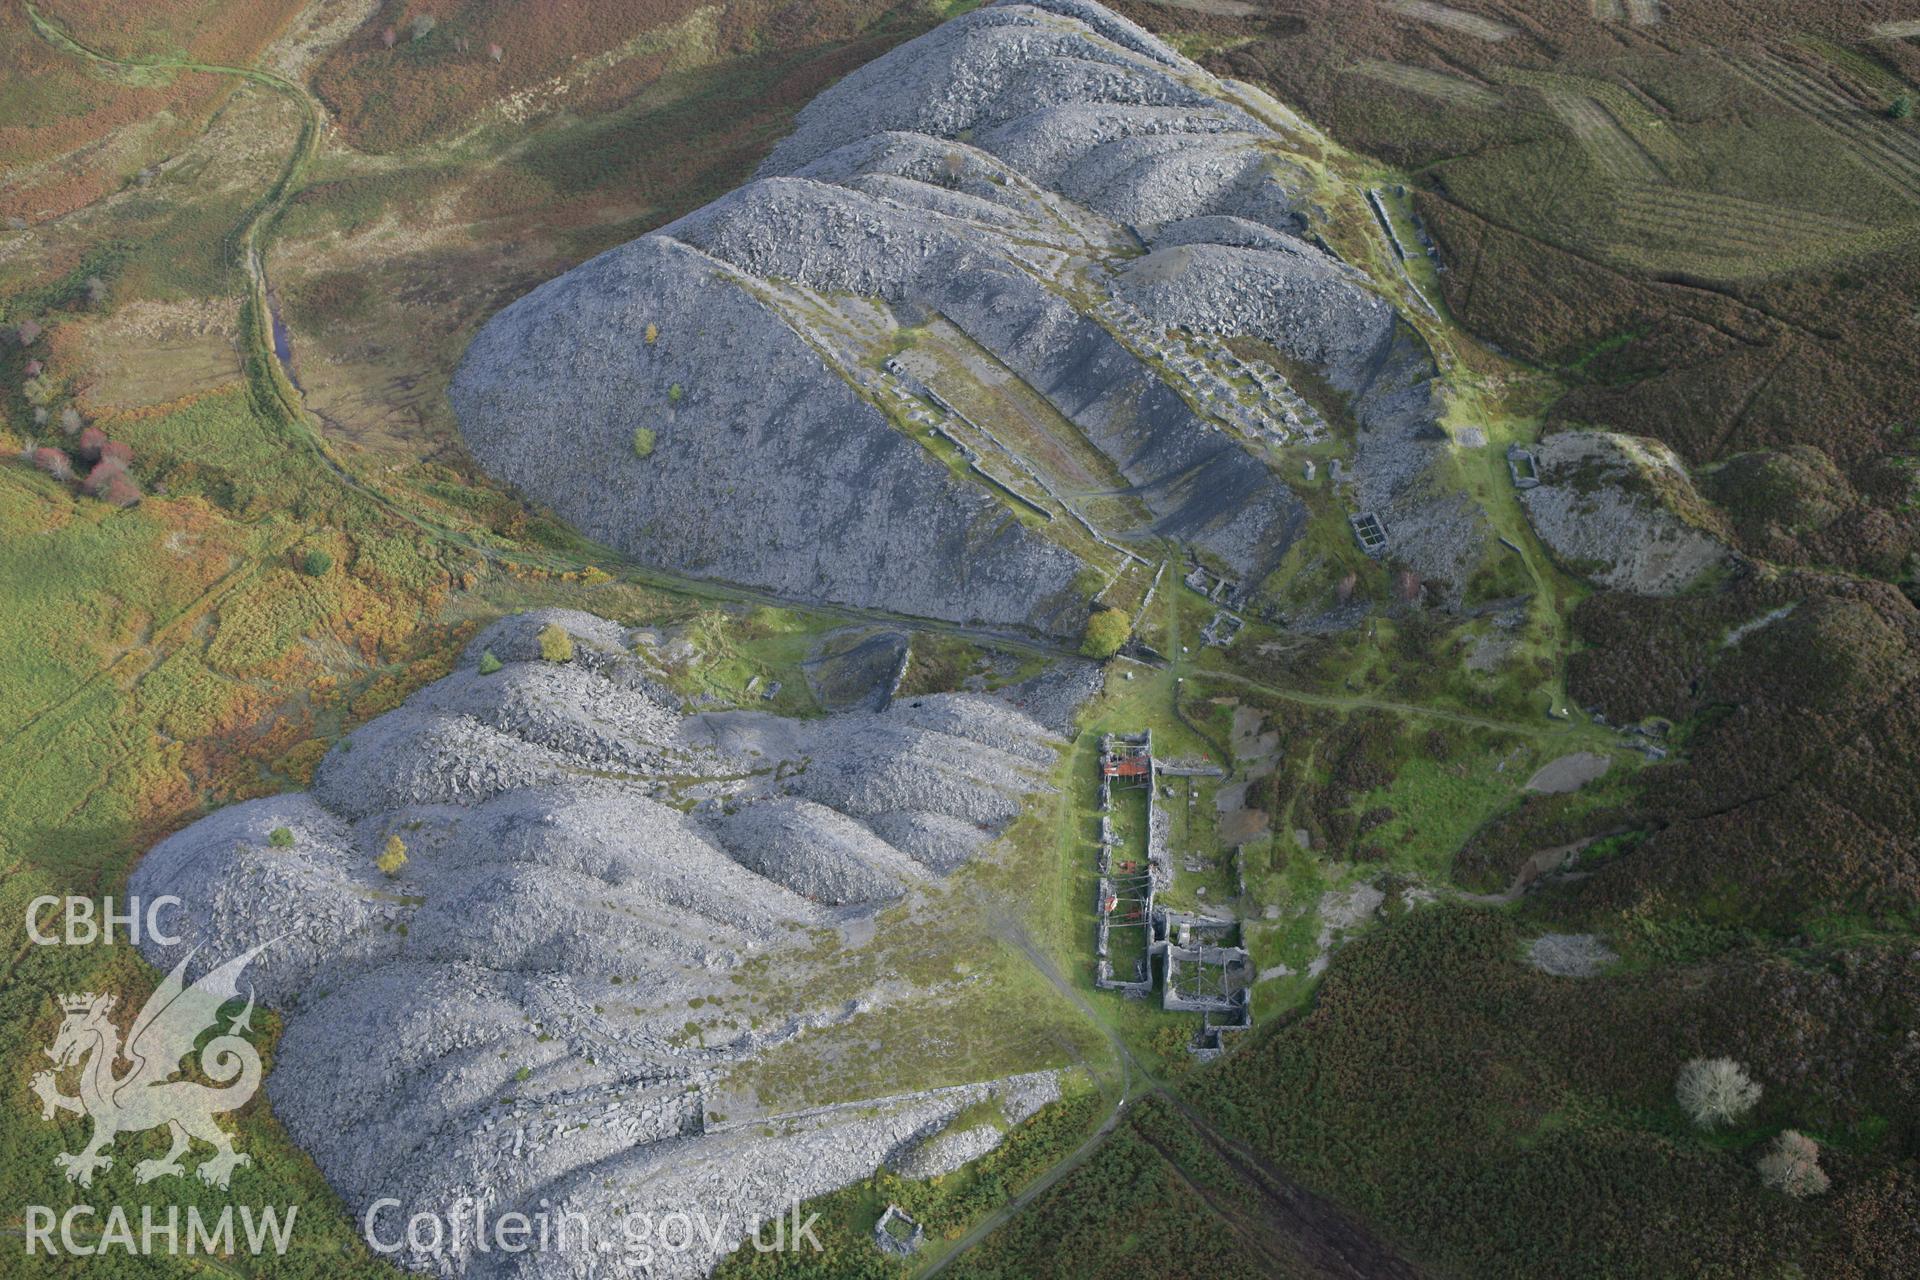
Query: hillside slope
<point>963,217</point>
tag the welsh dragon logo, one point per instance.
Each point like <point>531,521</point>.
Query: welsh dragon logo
<point>146,1096</point>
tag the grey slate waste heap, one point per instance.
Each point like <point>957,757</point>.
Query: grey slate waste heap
<point>502,1019</point>
<point>980,175</point>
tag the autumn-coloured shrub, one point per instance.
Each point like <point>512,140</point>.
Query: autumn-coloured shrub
<point>393,857</point>
<point>95,484</point>
<point>121,490</point>
<point>53,461</point>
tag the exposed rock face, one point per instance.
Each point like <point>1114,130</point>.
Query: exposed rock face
<point>857,667</point>
<point>504,1018</point>
<point>999,175</point>
<point>1620,511</point>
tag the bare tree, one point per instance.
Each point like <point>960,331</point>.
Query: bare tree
<point>28,331</point>
<point>90,443</point>
<point>1792,1166</point>
<point>70,420</point>
<point>96,291</point>
<point>117,451</point>
<point>495,52</point>
<point>388,36</point>
<point>423,26</point>
<point>1715,1091</point>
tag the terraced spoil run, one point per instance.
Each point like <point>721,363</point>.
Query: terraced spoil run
<point>1663,227</point>
<point>1218,8</point>
<point>1441,16</point>
<point>1724,222</point>
<point>1612,147</point>
<point>1877,143</point>
<point>1642,125</point>
<point>1641,13</point>
<point>1438,85</point>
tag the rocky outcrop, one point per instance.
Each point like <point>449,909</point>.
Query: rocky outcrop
<point>1621,512</point>
<point>586,866</point>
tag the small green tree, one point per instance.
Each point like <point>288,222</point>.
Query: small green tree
<point>555,644</point>
<point>1901,107</point>
<point>316,563</point>
<point>674,393</point>
<point>488,663</point>
<point>393,857</point>
<point>280,838</point>
<point>1107,631</point>
<point>642,442</point>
